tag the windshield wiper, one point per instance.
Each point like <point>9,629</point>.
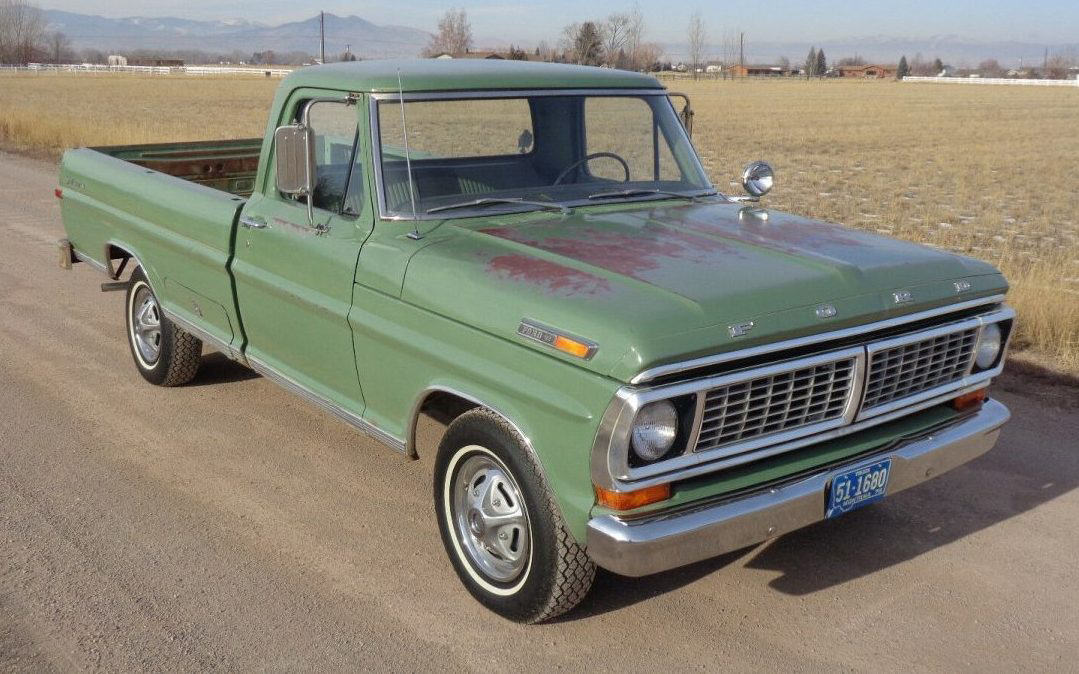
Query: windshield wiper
<point>641,191</point>
<point>485,201</point>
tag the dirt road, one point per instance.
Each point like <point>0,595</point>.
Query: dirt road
<point>229,525</point>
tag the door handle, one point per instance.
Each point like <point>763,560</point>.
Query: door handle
<point>253,222</point>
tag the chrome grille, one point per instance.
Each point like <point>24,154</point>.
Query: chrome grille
<point>907,369</point>
<point>778,402</point>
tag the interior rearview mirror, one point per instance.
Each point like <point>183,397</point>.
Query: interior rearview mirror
<point>293,157</point>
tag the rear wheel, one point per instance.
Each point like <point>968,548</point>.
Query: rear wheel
<point>500,525</point>
<point>164,354</point>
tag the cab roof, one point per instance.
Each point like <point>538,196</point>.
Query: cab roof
<point>424,75</point>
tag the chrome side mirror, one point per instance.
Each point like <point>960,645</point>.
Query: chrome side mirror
<point>758,178</point>
<point>686,115</point>
<point>292,145</point>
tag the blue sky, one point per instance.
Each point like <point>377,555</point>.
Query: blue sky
<point>778,20</point>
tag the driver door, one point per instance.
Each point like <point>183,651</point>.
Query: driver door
<point>294,277</point>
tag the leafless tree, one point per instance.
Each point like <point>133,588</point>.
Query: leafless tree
<point>991,68</point>
<point>454,35</point>
<point>59,47</point>
<point>91,55</point>
<point>567,42</point>
<point>22,29</point>
<point>635,37</point>
<point>615,31</point>
<point>545,52</point>
<point>648,55</point>
<point>729,49</point>
<point>697,38</point>
<point>1056,67</point>
<point>920,66</point>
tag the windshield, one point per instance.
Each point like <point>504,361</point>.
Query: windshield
<point>510,153</point>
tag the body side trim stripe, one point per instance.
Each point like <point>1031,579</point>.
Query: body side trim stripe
<point>347,416</point>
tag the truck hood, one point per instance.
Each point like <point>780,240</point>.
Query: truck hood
<point>657,283</point>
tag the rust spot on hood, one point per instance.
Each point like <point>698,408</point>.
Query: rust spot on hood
<point>552,277</point>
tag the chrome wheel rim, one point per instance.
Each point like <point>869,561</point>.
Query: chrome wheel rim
<point>490,518</point>
<point>146,325</point>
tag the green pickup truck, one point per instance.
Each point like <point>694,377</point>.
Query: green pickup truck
<point>636,372</point>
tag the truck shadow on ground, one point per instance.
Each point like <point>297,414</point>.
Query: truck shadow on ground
<point>217,369</point>
<point>1031,465</point>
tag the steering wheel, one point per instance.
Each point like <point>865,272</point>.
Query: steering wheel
<point>588,158</point>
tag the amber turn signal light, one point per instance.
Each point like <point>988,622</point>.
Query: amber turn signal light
<point>970,400</point>
<point>628,500</point>
<point>572,346</point>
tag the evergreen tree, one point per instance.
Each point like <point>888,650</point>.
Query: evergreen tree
<point>811,62</point>
<point>938,67</point>
<point>903,69</point>
<point>588,44</point>
<point>822,64</point>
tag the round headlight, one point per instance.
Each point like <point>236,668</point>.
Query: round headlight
<point>654,430</point>
<point>988,347</point>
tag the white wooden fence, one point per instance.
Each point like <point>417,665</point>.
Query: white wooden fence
<point>252,71</point>
<point>994,80</point>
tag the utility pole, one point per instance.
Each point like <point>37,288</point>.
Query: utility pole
<point>322,37</point>
<point>742,53</point>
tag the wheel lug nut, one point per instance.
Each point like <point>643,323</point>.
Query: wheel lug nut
<point>497,502</point>
<point>502,536</point>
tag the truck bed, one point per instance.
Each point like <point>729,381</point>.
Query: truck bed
<point>172,209</point>
<point>227,165</point>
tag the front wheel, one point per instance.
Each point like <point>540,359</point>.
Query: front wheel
<point>164,354</point>
<point>500,525</point>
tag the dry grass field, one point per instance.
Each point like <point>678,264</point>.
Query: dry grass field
<point>46,113</point>
<point>991,172</point>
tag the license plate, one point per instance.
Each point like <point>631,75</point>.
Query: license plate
<point>858,487</point>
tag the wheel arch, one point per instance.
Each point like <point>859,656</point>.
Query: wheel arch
<point>447,403</point>
<point>117,250</point>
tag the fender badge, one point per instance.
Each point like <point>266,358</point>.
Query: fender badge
<point>826,311</point>
<point>558,340</point>
<point>903,296</point>
<point>962,286</point>
<point>740,329</point>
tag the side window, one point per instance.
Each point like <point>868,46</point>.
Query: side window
<point>624,126</point>
<point>339,183</point>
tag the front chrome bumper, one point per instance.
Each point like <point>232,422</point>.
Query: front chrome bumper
<point>666,540</point>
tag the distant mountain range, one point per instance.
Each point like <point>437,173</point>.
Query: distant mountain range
<point>952,49</point>
<point>369,40</point>
<point>365,39</point>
